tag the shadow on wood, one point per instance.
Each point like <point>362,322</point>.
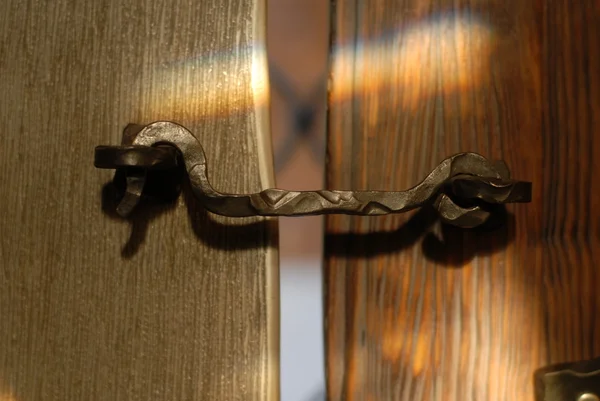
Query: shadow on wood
<point>453,247</point>
<point>160,196</point>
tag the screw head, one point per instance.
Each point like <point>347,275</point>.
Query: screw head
<point>588,397</point>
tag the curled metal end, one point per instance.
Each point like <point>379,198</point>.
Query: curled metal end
<point>459,187</point>
<point>460,216</point>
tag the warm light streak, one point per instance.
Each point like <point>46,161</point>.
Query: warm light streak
<point>7,397</point>
<point>222,84</point>
<point>441,55</point>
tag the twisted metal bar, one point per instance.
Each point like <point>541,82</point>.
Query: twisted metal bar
<point>459,187</point>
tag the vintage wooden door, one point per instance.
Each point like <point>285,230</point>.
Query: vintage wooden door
<point>174,304</point>
<point>418,313</point>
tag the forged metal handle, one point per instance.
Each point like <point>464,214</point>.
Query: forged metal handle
<point>460,187</point>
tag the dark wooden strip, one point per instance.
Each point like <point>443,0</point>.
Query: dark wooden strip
<point>571,105</point>
<point>415,311</point>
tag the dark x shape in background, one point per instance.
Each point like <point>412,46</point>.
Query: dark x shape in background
<point>305,111</point>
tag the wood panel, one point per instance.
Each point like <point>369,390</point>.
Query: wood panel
<point>174,304</point>
<point>415,311</point>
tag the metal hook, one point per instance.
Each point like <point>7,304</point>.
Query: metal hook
<point>460,187</point>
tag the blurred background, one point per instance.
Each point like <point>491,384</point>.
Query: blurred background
<point>298,39</point>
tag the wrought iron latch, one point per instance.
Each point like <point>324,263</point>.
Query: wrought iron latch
<point>463,188</point>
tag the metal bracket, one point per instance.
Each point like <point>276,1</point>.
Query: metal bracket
<point>462,188</point>
<point>577,381</point>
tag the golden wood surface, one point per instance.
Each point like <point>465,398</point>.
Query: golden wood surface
<point>175,304</point>
<point>417,312</point>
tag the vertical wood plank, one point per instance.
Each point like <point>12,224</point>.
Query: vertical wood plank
<point>571,220</point>
<point>415,311</point>
<point>174,304</point>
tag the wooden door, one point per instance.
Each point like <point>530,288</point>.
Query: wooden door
<point>174,304</point>
<point>419,312</point>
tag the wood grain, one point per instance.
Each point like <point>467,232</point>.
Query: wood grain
<point>174,304</point>
<point>415,311</point>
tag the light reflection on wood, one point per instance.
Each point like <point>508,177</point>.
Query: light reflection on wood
<point>205,87</point>
<point>439,55</point>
